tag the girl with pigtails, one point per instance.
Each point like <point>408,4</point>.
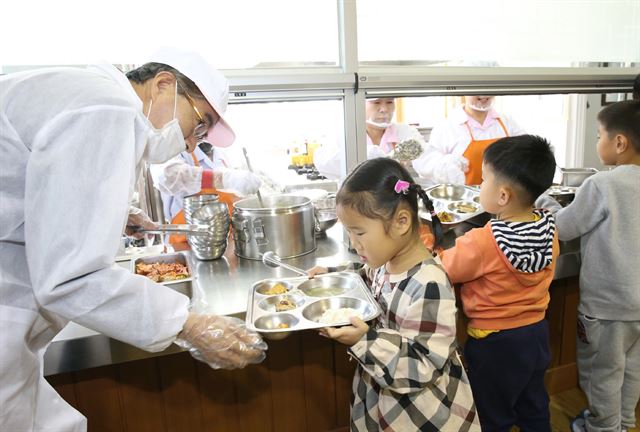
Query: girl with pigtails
<point>409,375</point>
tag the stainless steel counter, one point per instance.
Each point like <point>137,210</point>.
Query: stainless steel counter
<point>225,285</point>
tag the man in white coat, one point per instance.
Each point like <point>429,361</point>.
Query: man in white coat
<point>383,135</point>
<point>455,149</point>
<point>72,142</point>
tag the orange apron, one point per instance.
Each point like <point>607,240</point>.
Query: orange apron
<point>179,241</point>
<point>474,153</point>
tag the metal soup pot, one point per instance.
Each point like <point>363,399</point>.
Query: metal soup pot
<point>284,224</point>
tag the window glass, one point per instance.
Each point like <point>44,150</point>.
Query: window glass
<point>233,34</point>
<point>499,32</point>
<point>278,135</point>
<point>544,115</point>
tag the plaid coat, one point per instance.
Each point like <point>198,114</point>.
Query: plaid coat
<point>409,375</point>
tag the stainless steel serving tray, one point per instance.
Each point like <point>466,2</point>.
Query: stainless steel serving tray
<point>311,297</point>
<point>183,286</point>
<point>453,199</point>
<point>576,176</point>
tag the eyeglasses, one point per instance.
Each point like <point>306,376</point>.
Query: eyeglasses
<point>202,129</point>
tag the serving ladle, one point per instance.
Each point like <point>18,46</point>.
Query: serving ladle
<point>246,158</point>
<point>270,259</point>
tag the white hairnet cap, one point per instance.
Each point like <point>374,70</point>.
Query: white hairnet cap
<point>211,82</point>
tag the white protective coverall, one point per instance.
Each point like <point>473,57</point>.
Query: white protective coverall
<point>329,160</point>
<point>71,143</point>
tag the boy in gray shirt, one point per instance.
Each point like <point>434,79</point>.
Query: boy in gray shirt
<point>606,216</point>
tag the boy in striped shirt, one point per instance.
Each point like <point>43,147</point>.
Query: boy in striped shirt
<point>505,269</point>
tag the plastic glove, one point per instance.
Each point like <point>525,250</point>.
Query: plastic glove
<point>239,181</point>
<point>221,342</point>
<point>138,219</point>
<point>451,169</point>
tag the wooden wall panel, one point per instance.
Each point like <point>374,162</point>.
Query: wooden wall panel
<point>555,315</point>
<point>65,386</point>
<point>287,384</point>
<point>345,368</point>
<point>570,319</point>
<point>319,379</point>
<point>255,408</point>
<point>180,395</point>
<point>218,399</point>
<point>98,399</point>
<point>142,404</point>
<point>561,378</point>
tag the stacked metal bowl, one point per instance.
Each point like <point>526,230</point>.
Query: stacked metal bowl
<point>207,210</point>
<point>325,212</point>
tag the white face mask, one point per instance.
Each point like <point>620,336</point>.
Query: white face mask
<point>381,125</point>
<point>483,108</point>
<point>165,143</point>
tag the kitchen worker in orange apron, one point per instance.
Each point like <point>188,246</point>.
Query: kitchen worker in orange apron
<point>204,171</point>
<point>454,152</point>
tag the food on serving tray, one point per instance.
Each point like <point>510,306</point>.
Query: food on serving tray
<point>324,292</point>
<point>283,325</point>
<point>285,304</point>
<point>163,272</point>
<point>276,289</point>
<point>445,217</point>
<point>333,316</point>
<point>466,208</point>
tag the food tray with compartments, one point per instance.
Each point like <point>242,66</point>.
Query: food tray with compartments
<point>278,307</point>
<point>453,203</point>
<point>184,285</point>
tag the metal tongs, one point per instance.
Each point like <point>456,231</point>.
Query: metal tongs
<point>193,229</point>
<point>270,259</point>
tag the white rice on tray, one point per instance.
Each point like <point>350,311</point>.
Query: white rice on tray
<point>342,315</point>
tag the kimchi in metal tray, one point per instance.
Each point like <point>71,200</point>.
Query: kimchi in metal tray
<point>453,203</point>
<point>183,283</point>
<point>279,306</point>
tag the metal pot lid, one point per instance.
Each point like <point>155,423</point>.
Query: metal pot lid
<point>272,204</point>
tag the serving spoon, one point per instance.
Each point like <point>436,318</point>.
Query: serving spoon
<point>270,259</point>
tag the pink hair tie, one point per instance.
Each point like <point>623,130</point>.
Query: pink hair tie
<point>402,187</point>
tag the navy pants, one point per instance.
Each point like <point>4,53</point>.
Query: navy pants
<point>506,371</point>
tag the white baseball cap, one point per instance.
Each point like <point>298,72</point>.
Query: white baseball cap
<point>211,82</point>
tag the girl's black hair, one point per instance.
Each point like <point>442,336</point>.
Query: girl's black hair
<point>370,190</point>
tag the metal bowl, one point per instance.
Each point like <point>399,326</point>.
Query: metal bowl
<point>314,311</point>
<point>447,191</point>
<point>326,219</point>
<point>326,286</point>
<point>269,304</point>
<point>326,203</point>
<point>272,322</point>
<point>563,194</point>
<point>265,286</point>
<point>461,207</point>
